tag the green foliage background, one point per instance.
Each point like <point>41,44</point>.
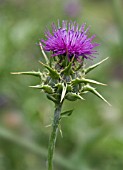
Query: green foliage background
<point>93,135</point>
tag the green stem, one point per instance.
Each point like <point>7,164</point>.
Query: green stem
<point>53,136</point>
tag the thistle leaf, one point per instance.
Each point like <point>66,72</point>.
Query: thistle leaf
<point>46,59</point>
<point>87,70</point>
<point>94,91</point>
<point>53,73</point>
<point>46,88</point>
<point>64,88</point>
<point>83,80</point>
<point>31,73</point>
<point>66,113</point>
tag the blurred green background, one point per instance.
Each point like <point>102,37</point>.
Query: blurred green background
<point>93,135</point>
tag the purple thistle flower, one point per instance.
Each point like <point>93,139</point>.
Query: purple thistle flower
<point>70,40</point>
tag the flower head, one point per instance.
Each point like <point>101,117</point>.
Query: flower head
<point>70,40</point>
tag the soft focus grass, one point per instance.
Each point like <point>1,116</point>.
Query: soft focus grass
<point>93,135</point>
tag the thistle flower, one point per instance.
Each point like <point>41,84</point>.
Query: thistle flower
<point>70,40</point>
<point>64,78</point>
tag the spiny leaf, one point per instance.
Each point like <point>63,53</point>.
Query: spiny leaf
<point>46,88</point>
<point>53,73</point>
<point>94,91</point>
<point>47,61</point>
<point>83,80</point>
<point>32,73</point>
<point>87,70</point>
<point>66,113</point>
<point>73,96</point>
<point>64,88</point>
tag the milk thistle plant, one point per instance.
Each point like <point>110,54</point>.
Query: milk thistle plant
<point>65,74</point>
